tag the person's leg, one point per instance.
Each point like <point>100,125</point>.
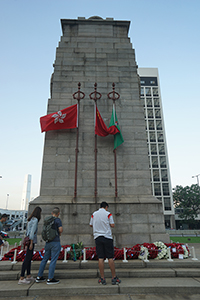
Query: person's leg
<point>100,253</point>
<point>55,251</point>
<point>26,263</point>
<point>112,267</point>
<point>101,267</point>
<point>109,249</point>
<point>29,262</point>
<point>47,255</point>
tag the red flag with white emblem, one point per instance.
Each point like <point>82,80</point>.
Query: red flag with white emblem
<point>63,119</point>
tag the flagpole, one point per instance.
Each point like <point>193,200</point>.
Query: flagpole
<point>114,96</point>
<point>95,96</point>
<point>78,96</point>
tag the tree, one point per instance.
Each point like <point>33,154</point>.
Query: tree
<point>188,199</point>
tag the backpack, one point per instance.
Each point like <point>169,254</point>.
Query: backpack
<point>49,231</point>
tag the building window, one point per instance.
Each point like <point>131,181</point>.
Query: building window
<point>165,189</point>
<point>155,91</point>
<point>148,91</point>
<point>167,203</point>
<point>163,163</point>
<point>156,176</point>
<point>149,102</point>
<point>156,102</point>
<point>157,113</point>
<point>150,113</point>
<point>160,137</point>
<point>158,125</point>
<point>151,125</point>
<point>157,189</point>
<point>152,137</point>
<point>153,149</point>
<point>142,81</point>
<point>164,175</point>
<point>161,149</point>
<point>154,162</point>
<point>142,91</point>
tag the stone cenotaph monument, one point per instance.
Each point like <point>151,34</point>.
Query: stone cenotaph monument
<point>96,53</point>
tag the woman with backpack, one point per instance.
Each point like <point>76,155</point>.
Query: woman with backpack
<point>31,232</point>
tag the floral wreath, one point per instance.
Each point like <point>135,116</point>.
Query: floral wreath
<point>162,250</point>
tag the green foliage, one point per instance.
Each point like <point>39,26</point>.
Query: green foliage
<point>188,200</point>
<point>76,252</point>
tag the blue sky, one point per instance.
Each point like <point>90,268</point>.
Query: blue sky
<point>165,35</point>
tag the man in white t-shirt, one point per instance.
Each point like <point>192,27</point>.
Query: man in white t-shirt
<point>102,222</point>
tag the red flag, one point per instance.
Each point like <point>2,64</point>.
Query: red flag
<point>100,127</point>
<point>63,119</point>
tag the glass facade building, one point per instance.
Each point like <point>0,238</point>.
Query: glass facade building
<point>156,141</point>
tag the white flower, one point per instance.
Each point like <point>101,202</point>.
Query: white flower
<point>162,250</point>
<point>59,117</point>
<point>142,252</point>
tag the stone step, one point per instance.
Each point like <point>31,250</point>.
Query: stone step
<point>94,273</point>
<point>131,264</point>
<point>128,286</point>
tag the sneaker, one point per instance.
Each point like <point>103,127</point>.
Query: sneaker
<point>23,281</point>
<point>30,278</point>
<point>115,280</point>
<point>52,281</point>
<point>102,281</point>
<point>40,279</point>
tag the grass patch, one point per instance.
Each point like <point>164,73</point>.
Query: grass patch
<point>185,239</point>
<point>13,241</point>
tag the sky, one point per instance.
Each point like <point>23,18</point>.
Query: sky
<point>165,35</point>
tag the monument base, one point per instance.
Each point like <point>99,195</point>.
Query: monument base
<point>138,219</point>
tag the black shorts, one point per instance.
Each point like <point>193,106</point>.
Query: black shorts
<point>1,242</point>
<point>104,247</point>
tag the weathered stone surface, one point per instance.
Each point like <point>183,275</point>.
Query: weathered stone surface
<point>99,51</point>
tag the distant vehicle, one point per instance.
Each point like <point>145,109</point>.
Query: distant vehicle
<point>4,235</point>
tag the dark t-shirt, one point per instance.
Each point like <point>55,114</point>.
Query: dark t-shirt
<point>58,224</point>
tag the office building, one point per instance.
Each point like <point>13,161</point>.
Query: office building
<point>156,141</point>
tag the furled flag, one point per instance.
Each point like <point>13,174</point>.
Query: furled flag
<point>118,138</point>
<point>100,127</point>
<point>63,119</point>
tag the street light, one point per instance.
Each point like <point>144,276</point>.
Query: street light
<point>197,176</point>
<point>7,201</point>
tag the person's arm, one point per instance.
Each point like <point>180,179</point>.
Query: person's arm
<point>60,230</point>
<point>91,221</point>
<point>32,233</point>
<point>111,221</point>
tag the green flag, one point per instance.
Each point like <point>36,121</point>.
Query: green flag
<point>118,138</point>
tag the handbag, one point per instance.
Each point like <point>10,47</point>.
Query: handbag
<point>26,242</point>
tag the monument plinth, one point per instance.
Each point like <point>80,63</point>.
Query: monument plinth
<point>96,50</point>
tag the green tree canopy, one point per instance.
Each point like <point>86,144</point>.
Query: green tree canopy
<point>188,199</point>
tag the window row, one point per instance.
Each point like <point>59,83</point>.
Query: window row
<point>149,91</point>
<point>167,203</point>
<point>155,102</point>
<point>158,162</point>
<point>159,175</point>
<point>156,149</point>
<point>154,124</point>
<point>152,113</point>
<point>155,137</point>
<point>161,189</point>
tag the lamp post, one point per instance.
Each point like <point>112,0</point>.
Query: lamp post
<point>7,201</point>
<point>197,176</point>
